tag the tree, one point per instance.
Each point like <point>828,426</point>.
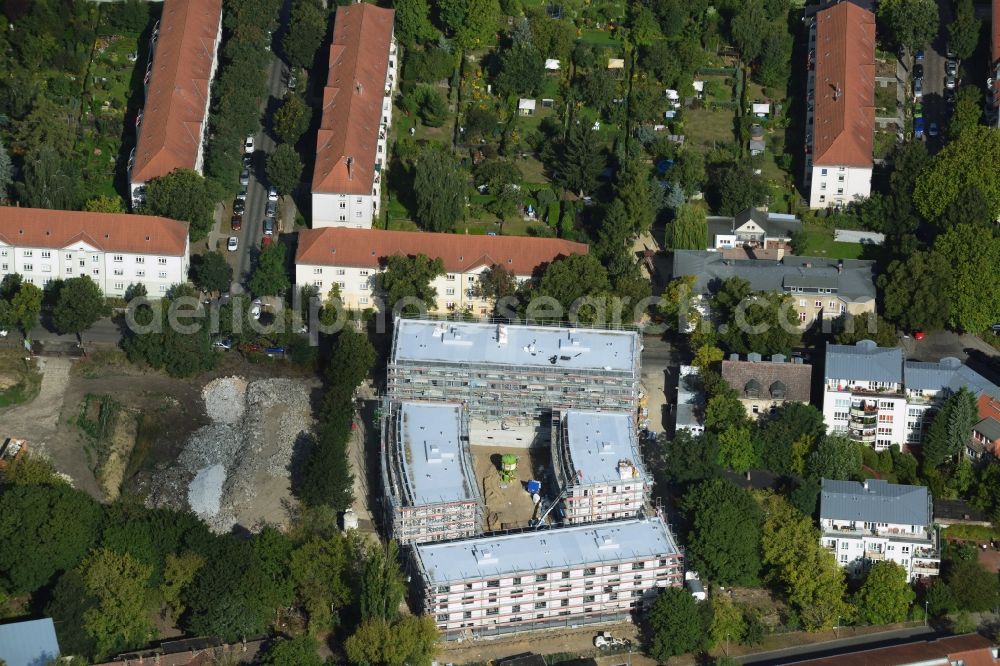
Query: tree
<point>836,457</point>
<point>63,519</point>
<point>913,23</point>
<point>963,31</point>
<point>104,204</point>
<point>916,291</point>
<point>724,410</point>
<point>735,187</point>
<point>211,272</point>
<point>406,282</point>
<point>689,459</point>
<point>306,29</point>
<point>164,346</point>
<point>787,436</point>
<point>413,23</point>
<point>269,277</point>
<point>522,70</point>
<point>940,600</point>
<point>284,168</point>
<point>580,159</point>
<point>727,621</point>
<point>438,189</point>
<point>736,450</point>
<point>320,571</point>
<point>6,172</point>
<point>299,651</point>
<point>182,195</point>
<point>689,229</point>
<point>957,167</point>
<point>382,583</point>
<point>411,641</point>
<point>179,571</point>
<point>973,588</point>
<point>968,110</point>
<point>351,360</point>
<point>724,539</point>
<point>26,306</point>
<point>291,120</point>
<point>46,180</point>
<point>950,430</point>
<point>571,279</point>
<point>675,624</point>
<point>800,567</point>
<point>885,596</point>
<point>474,23</point>
<point>865,326</point>
<point>974,289</point>
<point>749,28</point>
<point>765,323</point>
<point>496,283</point>
<point>688,171</point>
<point>119,620</point>
<point>80,305</point>
<point>432,106</point>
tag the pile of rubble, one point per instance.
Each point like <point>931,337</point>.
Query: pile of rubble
<point>246,450</point>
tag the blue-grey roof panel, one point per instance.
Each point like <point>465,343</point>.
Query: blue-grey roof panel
<point>864,361</point>
<point>874,501</point>
<point>30,643</point>
<point>433,452</point>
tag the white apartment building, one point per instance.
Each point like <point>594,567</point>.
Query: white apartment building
<point>514,373</point>
<point>170,128</point>
<point>428,478</point>
<point>840,108</point>
<point>598,466</point>
<point>864,522</point>
<point>546,578</point>
<point>115,250</point>
<point>351,259</point>
<point>351,145</point>
<point>875,397</point>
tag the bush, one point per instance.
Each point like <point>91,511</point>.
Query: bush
<point>428,66</point>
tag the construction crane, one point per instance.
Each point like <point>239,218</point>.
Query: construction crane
<point>560,498</point>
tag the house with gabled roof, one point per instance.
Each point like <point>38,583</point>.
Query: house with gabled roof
<point>752,228</point>
<point>170,128</point>
<point>764,386</point>
<point>872,520</point>
<point>351,145</point>
<point>352,258</point>
<point>840,106</point>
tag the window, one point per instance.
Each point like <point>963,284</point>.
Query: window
<point>802,316</point>
<point>467,615</point>
<point>822,186</point>
<point>540,578</point>
<point>162,261</point>
<point>840,178</point>
<point>468,586</point>
<point>638,565</point>
<point>358,200</point>
<point>342,285</point>
<point>46,254</point>
<point>358,214</point>
<point>449,292</point>
<point>492,611</point>
<point>822,198</point>
<point>137,273</point>
<point>343,204</point>
<point>119,271</point>
<point>451,278</point>
<point>140,260</point>
<point>565,575</point>
<point>516,608</point>
<point>822,172</point>
<point>588,599</point>
<point>819,304</point>
<point>613,569</point>
<point>343,218</point>
<point>493,583</point>
<point>591,571</point>
<point>363,273</point>
<point>840,191</point>
<point>442,617</point>
<point>28,267</point>
<point>442,589</point>
<point>3,267</point>
<point>540,604</point>
<point>69,269</point>
<point>162,274</point>
<point>28,253</point>
<point>93,258</point>
<point>516,581</point>
<point>564,603</point>
<point>119,286</point>
<point>97,271</point>
<point>340,271</point>
<point>802,302</point>
<point>363,300</point>
<point>317,271</point>
<point>117,257</point>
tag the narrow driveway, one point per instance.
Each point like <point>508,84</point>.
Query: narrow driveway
<point>659,369</point>
<point>839,646</point>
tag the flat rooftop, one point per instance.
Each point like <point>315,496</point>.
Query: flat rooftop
<point>506,344</point>
<point>433,452</point>
<point>598,441</point>
<point>528,552</point>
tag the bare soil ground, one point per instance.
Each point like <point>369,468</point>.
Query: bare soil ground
<point>111,472</point>
<point>509,506</point>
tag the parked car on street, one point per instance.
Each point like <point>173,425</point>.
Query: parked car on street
<point>951,68</point>
<point>247,160</point>
<point>239,205</point>
<point>248,145</point>
<point>272,193</point>
<point>918,127</point>
<point>932,130</point>
<point>920,55</point>
<point>949,82</point>
<point>242,193</point>
<point>918,88</point>
<point>233,243</point>
<point>245,177</point>
<point>949,96</point>
<point>236,223</point>
<point>918,71</point>
<point>271,208</point>
<point>268,227</point>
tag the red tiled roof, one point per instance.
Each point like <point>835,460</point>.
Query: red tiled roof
<point>352,100</point>
<point>367,248</point>
<point>939,651</point>
<point>995,34</point>
<point>989,407</point>
<point>177,96</point>
<point>110,232</point>
<point>844,116</point>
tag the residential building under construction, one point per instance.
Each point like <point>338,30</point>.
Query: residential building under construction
<point>427,473</point>
<point>598,467</point>
<point>514,373</point>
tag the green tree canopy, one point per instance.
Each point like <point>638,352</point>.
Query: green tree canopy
<point>47,180</point>
<point>689,229</point>
<point>735,187</point>
<point>306,29</point>
<point>103,204</point>
<point>80,304</point>
<point>411,641</point>
<point>120,619</point>
<point>382,583</point>
<point>885,596</point>
<point>724,539</point>
<point>916,291</point>
<point>579,159</point>
<point>26,306</point>
<point>291,120</point>
<point>474,23</point>
<point>284,168</point>
<point>736,450</point>
<point>912,23</point>
<point>835,457</point>
<point>958,167</point>
<point>765,323</point>
<point>950,430</point>
<point>968,110</point>
<point>974,289</point>
<point>963,31</point>
<point>522,70</point>
<point>495,283</point>
<point>973,588</point>
<point>439,186</point>
<point>406,282</point>
<point>211,272</point>
<point>320,569</point>
<point>570,279</point>
<point>183,195</point>
<point>269,276</point>
<point>865,326</point>
<point>298,651</point>
<point>413,25</point>
<point>676,625</point>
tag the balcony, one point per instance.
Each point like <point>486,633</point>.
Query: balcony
<point>874,554</point>
<point>861,435</point>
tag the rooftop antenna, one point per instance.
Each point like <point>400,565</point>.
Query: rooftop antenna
<point>837,93</point>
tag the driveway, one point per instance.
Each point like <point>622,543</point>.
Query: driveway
<point>659,379</point>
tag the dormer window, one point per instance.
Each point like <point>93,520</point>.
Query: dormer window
<point>777,390</point>
<point>752,389</point>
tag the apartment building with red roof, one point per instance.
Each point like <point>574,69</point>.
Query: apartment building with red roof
<point>840,109</point>
<point>352,258</point>
<point>170,128</point>
<point>351,147</point>
<point>115,250</point>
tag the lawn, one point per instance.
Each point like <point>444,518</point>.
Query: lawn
<point>19,379</point>
<point>705,128</point>
<point>601,38</point>
<point>820,243</point>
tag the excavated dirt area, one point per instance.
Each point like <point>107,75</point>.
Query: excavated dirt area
<point>235,470</point>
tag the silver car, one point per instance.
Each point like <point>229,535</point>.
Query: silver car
<point>270,209</point>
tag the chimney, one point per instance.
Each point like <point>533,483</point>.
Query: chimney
<point>358,87</point>
<point>350,161</point>
<point>837,93</point>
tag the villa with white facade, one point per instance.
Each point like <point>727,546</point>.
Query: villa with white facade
<point>170,128</point>
<point>115,250</point>
<point>351,145</point>
<point>864,522</point>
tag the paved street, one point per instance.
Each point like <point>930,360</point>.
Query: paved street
<point>836,646</point>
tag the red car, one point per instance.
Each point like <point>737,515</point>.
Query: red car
<point>918,335</point>
<point>267,240</point>
<point>236,223</point>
